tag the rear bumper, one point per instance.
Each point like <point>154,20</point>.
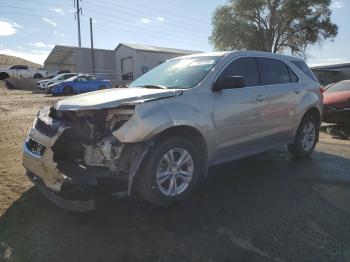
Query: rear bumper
<point>340,116</point>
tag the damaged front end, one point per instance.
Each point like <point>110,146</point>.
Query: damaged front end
<point>73,156</point>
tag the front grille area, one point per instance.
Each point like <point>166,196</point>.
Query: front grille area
<point>45,129</point>
<point>35,147</point>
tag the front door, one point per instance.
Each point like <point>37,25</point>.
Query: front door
<point>238,112</point>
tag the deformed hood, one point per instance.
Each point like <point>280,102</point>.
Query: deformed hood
<point>113,97</point>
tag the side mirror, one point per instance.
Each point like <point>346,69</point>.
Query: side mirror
<point>229,82</point>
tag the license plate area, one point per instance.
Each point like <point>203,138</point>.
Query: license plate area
<point>35,147</point>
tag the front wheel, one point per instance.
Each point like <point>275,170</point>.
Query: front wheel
<point>170,171</point>
<point>306,137</point>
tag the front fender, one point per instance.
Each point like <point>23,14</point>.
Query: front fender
<point>152,118</point>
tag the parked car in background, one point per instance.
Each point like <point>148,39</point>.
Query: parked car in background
<point>336,100</point>
<point>22,71</point>
<point>160,135</point>
<point>43,84</point>
<point>79,84</point>
<point>58,72</point>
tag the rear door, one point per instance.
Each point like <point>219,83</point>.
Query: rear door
<point>283,95</point>
<point>238,112</point>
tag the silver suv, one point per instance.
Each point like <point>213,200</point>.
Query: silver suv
<point>158,136</point>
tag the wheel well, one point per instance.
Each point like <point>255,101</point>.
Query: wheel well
<point>38,75</point>
<point>69,88</point>
<point>188,132</point>
<point>4,75</point>
<point>315,113</point>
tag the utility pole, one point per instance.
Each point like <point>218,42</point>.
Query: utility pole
<point>77,17</point>
<point>92,47</point>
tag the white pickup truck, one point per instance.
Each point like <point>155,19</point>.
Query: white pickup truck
<point>21,71</point>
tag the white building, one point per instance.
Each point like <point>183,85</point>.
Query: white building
<point>79,60</point>
<point>123,64</point>
<point>133,60</point>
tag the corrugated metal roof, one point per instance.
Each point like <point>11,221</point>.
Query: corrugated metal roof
<point>62,53</point>
<point>158,49</point>
<point>331,66</point>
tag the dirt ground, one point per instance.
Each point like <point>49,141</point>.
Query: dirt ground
<point>263,208</point>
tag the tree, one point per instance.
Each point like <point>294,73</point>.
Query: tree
<point>276,26</point>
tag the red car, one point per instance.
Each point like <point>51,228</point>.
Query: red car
<point>336,100</point>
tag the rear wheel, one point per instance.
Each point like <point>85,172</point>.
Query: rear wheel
<point>67,90</point>
<point>306,137</point>
<point>4,76</point>
<point>170,171</point>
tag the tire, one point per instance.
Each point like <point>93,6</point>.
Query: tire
<point>37,76</point>
<point>102,88</point>
<point>306,138</point>
<point>154,167</point>
<point>4,76</point>
<point>67,90</point>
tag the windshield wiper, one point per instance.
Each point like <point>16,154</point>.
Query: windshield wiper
<point>155,86</point>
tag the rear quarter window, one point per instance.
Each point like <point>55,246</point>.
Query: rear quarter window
<point>303,67</point>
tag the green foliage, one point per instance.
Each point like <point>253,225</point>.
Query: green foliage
<point>272,25</point>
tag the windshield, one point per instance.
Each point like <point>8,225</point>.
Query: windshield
<point>339,87</point>
<point>58,77</point>
<point>179,73</point>
<point>71,78</point>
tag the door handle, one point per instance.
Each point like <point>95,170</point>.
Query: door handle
<point>297,90</point>
<point>260,98</point>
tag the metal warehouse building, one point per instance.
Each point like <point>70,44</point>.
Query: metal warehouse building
<point>123,64</point>
<point>79,60</point>
<point>327,74</point>
<point>133,60</point>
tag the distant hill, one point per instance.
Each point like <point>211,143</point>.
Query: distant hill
<point>8,60</point>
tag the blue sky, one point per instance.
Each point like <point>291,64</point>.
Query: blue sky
<point>30,28</point>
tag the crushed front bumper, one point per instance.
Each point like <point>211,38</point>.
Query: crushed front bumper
<point>73,205</point>
<point>43,171</point>
<point>67,185</point>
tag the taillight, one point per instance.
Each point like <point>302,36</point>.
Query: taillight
<point>322,91</point>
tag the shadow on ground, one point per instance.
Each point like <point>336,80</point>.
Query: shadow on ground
<point>262,208</point>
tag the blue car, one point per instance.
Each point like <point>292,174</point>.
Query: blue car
<point>79,84</point>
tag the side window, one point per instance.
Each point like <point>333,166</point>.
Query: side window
<point>274,72</point>
<point>82,78</point>
<point>23,67</point>
<point>293,77</point>
<point>303,67</point>
<point>14,67</point>
<point>245,67</point>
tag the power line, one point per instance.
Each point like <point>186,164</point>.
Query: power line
<point>153,34</point>
<point>132,12</point>
<point>25,8</point>
<point>150,35</point>
<point>161,31</point>
<point>163,11</point>
<point>175,35</point>
<point>39,16</point>
<point>185,26</point>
